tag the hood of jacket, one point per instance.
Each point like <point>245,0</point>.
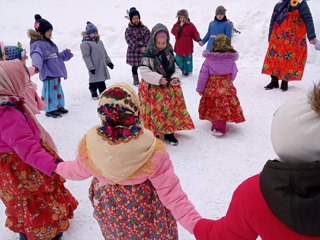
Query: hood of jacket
<point>233,56</point>
<point>292,191</point>
<point>85,37</point>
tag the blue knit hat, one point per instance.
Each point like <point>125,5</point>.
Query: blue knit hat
<point>91,28</point>
<point>133,12</point>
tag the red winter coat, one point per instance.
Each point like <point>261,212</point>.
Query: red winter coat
<point>248,217</point>
<point>184,44</point>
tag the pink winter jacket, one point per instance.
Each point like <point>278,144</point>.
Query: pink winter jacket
<point>163,178</point>
<point>21,136</point>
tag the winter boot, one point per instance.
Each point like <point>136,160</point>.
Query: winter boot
<point>284,86</point>
<point>54,114</point>
<point>273,84</point>
<point>135,80</point>
<point>171,139</point>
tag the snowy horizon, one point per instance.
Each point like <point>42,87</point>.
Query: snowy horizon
<point>209,168</point>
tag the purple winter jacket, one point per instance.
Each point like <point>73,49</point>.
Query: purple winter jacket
<point>217,63</point>
<point>46,57</point>
<point>21,136</point>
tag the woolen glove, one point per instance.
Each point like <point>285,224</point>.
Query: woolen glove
<point>110,65</point>
<point>317,45</point>
<point>93,71</point>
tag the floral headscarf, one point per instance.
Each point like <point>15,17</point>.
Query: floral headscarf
<point>222,44</point>
<point>12,88</point>
<point>164,60</point>
<point>119,111</point>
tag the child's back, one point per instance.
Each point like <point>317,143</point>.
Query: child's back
<point>219,102</point>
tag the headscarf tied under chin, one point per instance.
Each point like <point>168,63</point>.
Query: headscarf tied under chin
<point>164,61</point>
<point>12,88</point>
<point>119,111</point>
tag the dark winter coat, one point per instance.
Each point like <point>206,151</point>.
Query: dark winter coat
<point>280,203</point>
<point>95,57</point>
<point>280,12</point>
<point>136,38</point>
<point>184,38</point>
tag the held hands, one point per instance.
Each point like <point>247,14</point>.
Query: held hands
<point>200,43</point>
<point>313,41</point>
<point>142,49</point>
<point>93,71</point>
<point>110,65</point>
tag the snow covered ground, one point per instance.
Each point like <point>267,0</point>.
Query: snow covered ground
<point>209,168</point>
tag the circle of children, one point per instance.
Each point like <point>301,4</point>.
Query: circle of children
<point>135,192</point>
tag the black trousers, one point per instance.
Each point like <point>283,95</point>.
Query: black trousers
<point>93,87</point>
<point>134,70</point>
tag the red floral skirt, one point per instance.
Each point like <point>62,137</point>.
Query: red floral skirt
<point>163,109</point>
<point>287,51</point>
<point>36,204</point>
<point>131,212</point>
<point>219,100</point>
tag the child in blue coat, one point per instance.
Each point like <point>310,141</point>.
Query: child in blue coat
<point>220,25</point>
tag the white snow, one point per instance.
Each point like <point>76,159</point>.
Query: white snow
<point>209,168</point>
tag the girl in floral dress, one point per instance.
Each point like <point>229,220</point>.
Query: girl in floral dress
<point>286,57</point>
<point>38,206</point>
<point>135,192</point>
<point>163,109</point>
<point>219,102</point>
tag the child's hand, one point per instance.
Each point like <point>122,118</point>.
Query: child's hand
<point>317,45</point>
<point>68,50</point>
<point>142,49</point>
<point>313,41</point>
<point>200,93</point>
<point>175,81</point>
<point>201,43</point>
<point>110,65</point>
<point>163,81</point>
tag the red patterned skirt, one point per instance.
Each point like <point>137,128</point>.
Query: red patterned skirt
<point>131,212</point>
<point>219,100</point>
<point>287,52</point>
<point>36,204</point>
<point>162,108</point>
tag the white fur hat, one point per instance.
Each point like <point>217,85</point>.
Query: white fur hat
<point>295,131</point>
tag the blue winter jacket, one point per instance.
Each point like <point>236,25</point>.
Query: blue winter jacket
<point>217,27</point>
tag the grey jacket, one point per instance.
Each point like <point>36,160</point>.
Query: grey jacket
<point>95,57</point>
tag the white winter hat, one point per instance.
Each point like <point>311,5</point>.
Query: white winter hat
<point>295,130</point>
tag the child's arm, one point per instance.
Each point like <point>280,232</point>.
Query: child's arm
<point>228,30</point>
<point>132,42</point>
<point>36,56</point>
<point>203,78</point>
<point>177,72</point>
<point>207,36</point>
<point>24,143</point>
<point>147,74</point>
<point>65,55</point>
<point>72,170</point>
<point>171,194</point>
<point>85,51</point>
<point>31,70</point>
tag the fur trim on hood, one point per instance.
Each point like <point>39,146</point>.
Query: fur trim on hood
<point>34,35</point>
<point>218,55</point>
<point>132,25</point>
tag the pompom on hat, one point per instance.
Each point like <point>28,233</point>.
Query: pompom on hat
<point>133,12</point>
<point>41,25</point>
<point>295,131</point>
<point>91,28</point>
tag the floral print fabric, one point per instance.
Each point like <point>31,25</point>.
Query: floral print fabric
<point>36,204</point>
<point>131,212</point>
<point>287,52</point>
<point>219,100</point>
